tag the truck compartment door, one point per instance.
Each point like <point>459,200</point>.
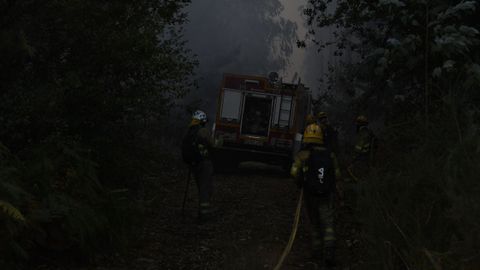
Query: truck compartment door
<point>284,106</point>
<point>231,102</point>
<point>256,115</point>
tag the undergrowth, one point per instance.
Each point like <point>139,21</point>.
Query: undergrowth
<point>53,203</point>
<point>419,207</point>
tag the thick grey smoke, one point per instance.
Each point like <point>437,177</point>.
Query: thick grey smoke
<point>253,37</point>
<point>237,36</point>
<point>322,70</point>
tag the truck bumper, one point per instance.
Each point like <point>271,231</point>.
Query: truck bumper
<point>233,154</point>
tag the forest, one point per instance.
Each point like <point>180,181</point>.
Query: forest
<point>95,94</point>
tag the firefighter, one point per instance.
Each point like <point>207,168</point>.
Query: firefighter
<point>316,170</point>
<point>198,137</point>
<point>310,119</point>
<point>363,150</point>
<point>330,135</point>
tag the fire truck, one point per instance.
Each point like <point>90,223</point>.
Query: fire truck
<point>259,119</point>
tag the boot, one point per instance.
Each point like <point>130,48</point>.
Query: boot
<point>317,255</point>
<point>330,257</point>
<point>206,214</point>
<point>317,250</point>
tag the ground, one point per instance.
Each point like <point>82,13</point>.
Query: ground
<point>256,212</point>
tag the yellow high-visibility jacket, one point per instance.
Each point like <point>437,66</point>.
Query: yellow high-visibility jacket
<point>363,143</point>
<point>298,166</point>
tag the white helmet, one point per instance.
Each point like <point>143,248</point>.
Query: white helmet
<point>200,115</point>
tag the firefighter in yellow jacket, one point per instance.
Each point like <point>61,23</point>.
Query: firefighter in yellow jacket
<point>364,148</point>
<point>197,154</point>
<point>330,134</point>
<point>316,170</point>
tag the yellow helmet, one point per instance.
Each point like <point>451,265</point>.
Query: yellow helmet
<point>310,119</point>
<point>313,134</point>
<point>321,115</point>
<point>361,119</point>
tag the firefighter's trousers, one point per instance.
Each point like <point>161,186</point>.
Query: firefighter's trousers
<point>320,211</point>
<point>203,174</point>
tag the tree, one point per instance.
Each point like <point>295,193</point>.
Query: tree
<point>418,69</point>
<point>80,81</point>
<point>404,44</point>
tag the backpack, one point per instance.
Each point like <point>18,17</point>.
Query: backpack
<point>190,152</point>
<point>320,174</point>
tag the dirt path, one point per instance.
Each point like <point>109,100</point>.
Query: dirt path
<point>256,209</point>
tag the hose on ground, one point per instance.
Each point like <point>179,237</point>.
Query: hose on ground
<point>293,233</point>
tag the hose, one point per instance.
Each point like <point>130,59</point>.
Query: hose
<point>349,170</point>
<point>293,233</point>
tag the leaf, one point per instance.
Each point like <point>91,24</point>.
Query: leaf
<point>397,3</point>
<point>394,42</point>
<point>475,70</point>
<point>121,190</point>
<point>467,6</point>
<point>473,79</point>
<point>11,211</point>
<point>448,64</point>
<point>467,30</point>
<point>379,71</point>
<point>377,52</point>
<point>437,72</point>
<point>382,61</point>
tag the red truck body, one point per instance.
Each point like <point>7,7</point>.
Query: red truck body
<point>259,120</point>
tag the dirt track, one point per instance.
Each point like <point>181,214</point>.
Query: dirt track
<point>256,211</point>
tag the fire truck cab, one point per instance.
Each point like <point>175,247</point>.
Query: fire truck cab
<point>259,119</point>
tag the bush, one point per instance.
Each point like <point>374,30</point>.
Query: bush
<point>82,83</point>
<point>426,198</point>
<point>63,205</point>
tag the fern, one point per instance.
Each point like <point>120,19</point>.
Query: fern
<point>11,211</point>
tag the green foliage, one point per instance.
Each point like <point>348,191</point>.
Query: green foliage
<point>426,198</point>
<point>417,68</point>
<point>403,48</point>
<point>82,84</point>
<point>86,67</point>
<point>65,206</point>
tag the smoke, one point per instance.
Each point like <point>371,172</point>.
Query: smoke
<point>255,37</point>
<point>236,36</point>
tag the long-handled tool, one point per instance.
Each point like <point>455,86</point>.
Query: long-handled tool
<point>186,190</point>
<point>350,172</point>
